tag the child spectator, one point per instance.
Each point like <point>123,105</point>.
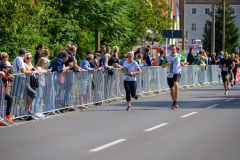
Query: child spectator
<point>7,76</point>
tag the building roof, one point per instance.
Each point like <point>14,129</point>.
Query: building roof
<point>232,2</point>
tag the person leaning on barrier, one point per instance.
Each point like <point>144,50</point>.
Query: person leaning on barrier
<point>130,69</point>
<point>18,68</point>
<point>84,77</point>
<point>97,60</point>
<point>41,67</point>
<point>103,58</point>
<point>111,60</point>
<point>92,64</point>
<point>173,62</point>
<point>69,76</point>
<point>58,63</point>
<point>3,60</point>
<point>58,66</point>
<point>39,50</point>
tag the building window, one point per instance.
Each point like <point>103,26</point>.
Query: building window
<point>193,41</point>
<point>207,11</point>
<point>194,11</point>
<point>194,26</point>
<point>234,11</point>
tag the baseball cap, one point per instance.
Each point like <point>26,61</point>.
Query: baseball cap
<point>22,51</point>
<point>7,64</point>
<point>65,54</point>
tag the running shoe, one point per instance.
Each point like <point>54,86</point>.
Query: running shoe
<point>173,106</point>
<point>234,83</point>
<point>229,86</point>
<point>30,111</point>
<point>128,108</point>
<point>176,106</point>
<point>226,92</point>
<point>136,97</point>
<point>2,124</point>
<point>9,118</point>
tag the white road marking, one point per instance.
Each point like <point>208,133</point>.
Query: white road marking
<point>187,115</point>
<point>107,145</point>
<point>213,106</point>
<point>158,126</point>
<point>229,99</point>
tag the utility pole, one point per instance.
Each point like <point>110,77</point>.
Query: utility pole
<point>223,29</point>
<point>183,24</point>
<point>97,40</point>
<point>213,29</point>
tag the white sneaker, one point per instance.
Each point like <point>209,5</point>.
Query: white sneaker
<point>226,92</point>
<point>229,86</point>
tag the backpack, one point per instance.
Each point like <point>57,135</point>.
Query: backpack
<point>34,82</point>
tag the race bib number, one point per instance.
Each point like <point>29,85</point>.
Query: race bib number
<point>127,77</point>
<point>225,69</point>
<point>169,75</point>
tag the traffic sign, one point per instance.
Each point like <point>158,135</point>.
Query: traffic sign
<point>172,34</point>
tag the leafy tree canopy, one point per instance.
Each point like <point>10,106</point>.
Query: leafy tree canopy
<point>231,32</point>
<point>26,23</point>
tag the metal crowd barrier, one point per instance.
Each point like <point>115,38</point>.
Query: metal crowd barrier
<point>70,90</point>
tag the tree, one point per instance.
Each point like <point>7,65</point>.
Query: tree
<point>232,35</point>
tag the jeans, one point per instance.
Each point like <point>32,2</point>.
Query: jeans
<point>9,100</point>
<point>68,90</point>
<point>38,98</point>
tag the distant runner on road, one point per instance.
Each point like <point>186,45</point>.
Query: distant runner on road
<point>173,61</point>
<point>234,69</point>
<point>130,68</point>
<point>226,64</point>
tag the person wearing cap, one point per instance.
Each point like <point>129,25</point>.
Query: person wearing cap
<point>18,68</point>
<point>7,76</point>
<point>3,60</point>
<point>58,65</point>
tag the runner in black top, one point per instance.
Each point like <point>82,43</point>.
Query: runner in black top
<point>234,70</point>
<point>225,64</point>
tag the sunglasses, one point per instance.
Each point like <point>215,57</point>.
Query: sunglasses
<point>29,57</point>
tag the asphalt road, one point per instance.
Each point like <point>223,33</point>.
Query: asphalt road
<point>206,127</point>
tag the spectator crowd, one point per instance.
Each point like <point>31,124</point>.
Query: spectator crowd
<point>105,59</point>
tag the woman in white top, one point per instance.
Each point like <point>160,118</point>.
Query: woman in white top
<point>27,61</point>
<point>41,67</point>
<point>130,68</point>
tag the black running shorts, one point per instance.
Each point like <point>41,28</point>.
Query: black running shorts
<point>224,75</point>
<point>176,78</point>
